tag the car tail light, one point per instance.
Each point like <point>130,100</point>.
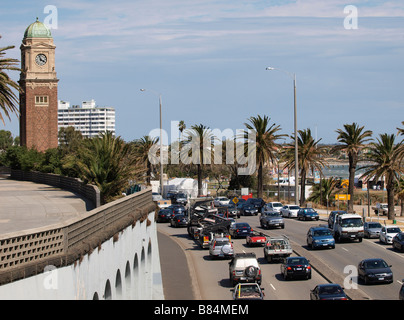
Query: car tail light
<point>289,268</point>
<point>308,268</point>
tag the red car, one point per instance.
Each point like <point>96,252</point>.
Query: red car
<point>255,239</point>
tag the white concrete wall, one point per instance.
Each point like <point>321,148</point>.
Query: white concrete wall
<point>128,268</point>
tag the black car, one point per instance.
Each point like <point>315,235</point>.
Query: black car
<point>398,241</point>
<point>247,209</point>
<point>329,291</point>
<point>177,209</point>
<point>164,215</point>
<point>296,267</point>
<point>179,220</point>
<point>374,271</point>
<point>240,229</point>
<point>258,203</point>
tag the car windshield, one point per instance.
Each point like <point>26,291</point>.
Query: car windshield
<point>352,222</point>
<point>277,205</point>
<point>321,233</point>
<point>297,261</point>
<point>242,225</point>
<point>309,210</point>
<point>393,230</point>
<point>294,207</point>
<point>221,242</point>
<point>273,214</point>
<point>375,264</point>
<point>330,289</point>
<point>374,225</point>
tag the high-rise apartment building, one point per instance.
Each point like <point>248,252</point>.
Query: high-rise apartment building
<point>88,118</point>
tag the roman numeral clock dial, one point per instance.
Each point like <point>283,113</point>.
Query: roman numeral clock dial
<point>40,59</point>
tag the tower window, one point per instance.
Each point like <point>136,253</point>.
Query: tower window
<point>41,100</point>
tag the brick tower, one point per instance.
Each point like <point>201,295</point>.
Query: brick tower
<point>39,89</point>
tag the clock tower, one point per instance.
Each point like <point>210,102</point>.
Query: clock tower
<point>39,85</point>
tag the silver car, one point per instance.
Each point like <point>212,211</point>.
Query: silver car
<point>221,247</point>
<point>372,229</point>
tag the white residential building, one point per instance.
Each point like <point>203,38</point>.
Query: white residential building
<point>89,119</point>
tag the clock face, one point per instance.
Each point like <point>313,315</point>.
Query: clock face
<point>40,59</point>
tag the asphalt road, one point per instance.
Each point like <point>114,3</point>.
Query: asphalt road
<point>210,278</point>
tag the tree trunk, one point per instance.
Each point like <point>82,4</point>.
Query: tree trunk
<point>390,196</point>
<point>199,167</point>
<point>302,188</point>
<point>259,184</point>
<point>352,168</point>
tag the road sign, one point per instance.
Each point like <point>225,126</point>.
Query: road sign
<point>342,197</point>
<point>235,200</point>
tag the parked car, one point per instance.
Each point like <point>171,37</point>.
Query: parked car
<point>240,229</point>
<point>258,203</point>
<point>179,220</point>
<point>293,267</point>
<point>221,247</point>
<point>329,291</point>
<point>388,233</point>
<point>248,210</point>
<point>398,242</point>
<point>248,291</point>
<point>244,267</point>
<point>272,206</point>
<point>271,219</point>
<point>164,215</point>
<point>221,201</point>
<point>372,229</point>
<point>332,215</point>
<point>307,214</point>
<point>290,210</point>
<point>374,271</point>
<point>320,237</point>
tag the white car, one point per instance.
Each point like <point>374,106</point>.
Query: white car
<point>387,234</point>
<point>221,201</point>
<point>290,211</point>
<point>272,206</point>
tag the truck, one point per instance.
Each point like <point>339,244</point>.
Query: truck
<point>277,248</point>
<point>347,227</point>
<point>382,208</point>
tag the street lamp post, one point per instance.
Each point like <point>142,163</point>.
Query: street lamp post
<point>295,130</point>
<point>161,143</point>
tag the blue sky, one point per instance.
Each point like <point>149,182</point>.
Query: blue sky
<point>207,59</point>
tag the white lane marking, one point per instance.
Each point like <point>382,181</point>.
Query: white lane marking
<point>344,249</point>
<point>272,286</point>
<point>399,282</point>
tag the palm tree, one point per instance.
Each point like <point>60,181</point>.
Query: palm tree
<point>385,162</point>
<point>199,145</point>
<point>143,149</point>
<point>107,162</point>
<point>352,140</point>
<point>266,148</point>
<point>324,190</point>
<point>310,156</point>
<point>8,99</point>
<point>181,126</point>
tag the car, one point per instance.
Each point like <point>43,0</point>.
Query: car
<point>179,220</point>
<point>372,229</point>
<point>248,210</point>
<point>320,237</point>
<point>374,270</point>
<point>387,233</point>
<point>244,267</point>
<point>332,215</point>
<point>220,201</point>
<point>257,238</point>
<point>229,210</point>
<point>271,219</point>
<point>221,247</point>
<point>177,209</point>
<point>293,267</point>
<point>272,206</point>
<point>329,291</point>
<point>248,291</point>
<point>289,210</point>
<point>398,241</point>
<point>277,248</point>
<point>164,215</point>
<point>258,203</point>
<point>240,229</point>
<point>307,214</point>
<point>156,196</point>
<point>401,292</point>
<point>179,198</point>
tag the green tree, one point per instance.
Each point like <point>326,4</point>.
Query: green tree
<point>6,139</point>
<point>266,146</point>
<point>8,98</point>
<point>143,150</point>
<point>385,162</point>
<point>107,162</point>
<point>352,139</point>
<point>310,156</point>
<point>324,190</point>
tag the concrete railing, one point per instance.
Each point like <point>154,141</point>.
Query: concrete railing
<point>88,191</point>
<point>23,254</point>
